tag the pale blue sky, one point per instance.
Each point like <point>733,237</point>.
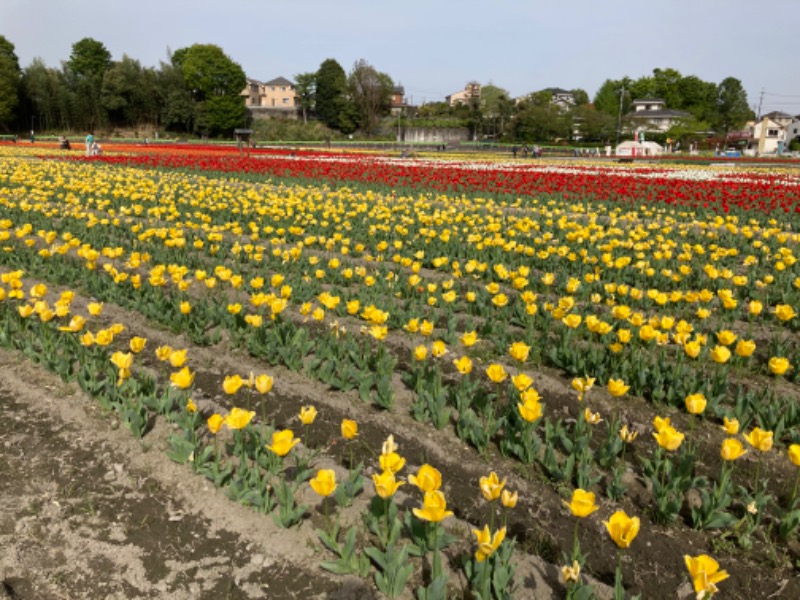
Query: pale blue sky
<point>434,47</point>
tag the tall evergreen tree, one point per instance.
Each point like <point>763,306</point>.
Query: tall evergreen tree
<point>330,93</point>
<point>9,82</point>
<point>85,70</point>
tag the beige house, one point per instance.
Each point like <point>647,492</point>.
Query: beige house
<point>471,92</point>
<point>277,97</point>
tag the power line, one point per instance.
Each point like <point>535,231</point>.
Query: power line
<point>780,95</point>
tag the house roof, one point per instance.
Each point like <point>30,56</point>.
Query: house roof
<point>279,81</point>
<point>776,114</point>
<point>649,100</point>
<point>667,113</point>
<point>253,81</point>
<point>556,90</point>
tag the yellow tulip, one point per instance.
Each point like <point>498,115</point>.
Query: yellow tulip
<point>583,384</point>
<point>519,351</point>
<point>692,349</point>
<point>754,307</point>
<point>123,361</point>
<point>591,418</point>
<point>137,344</point>
<point>695,403</point>
<point>759,439</point>
<point>522,381</point>
<point>726,337</point>
<point>745,348</point>
<point>420,353</point>
<point>617,387</point>
<point>392,461</point>
<point>95,308</point>
<point>185,308</point>
<point>705,574</point>
<point>307,415</point>
<point>622,528</point>
<point>730,426</point>
<point>530,409</point>
<point>464,365</point>
<point>571,574</point>
<point>779,365</point>
<point>491,486</point>
<point>572,320</point>
<point>263,383</point>
<point>487,543</point>
<point>669,438</point>
<point>434,508</point>
<point>509,499</point>
<point>177,358</point>
<point>324,483</point>
<point>282,442</point>
<point>426,328</point>
<point>232,384</point>
<point>386,484</point>
<point>784,312</point>
<point>239,418</point>
<point>720,354</point>
<point>438,348</point>
<point>732,449</point>
<point>182,379</point>
<point>794,454</point>
<point>427,479</point>
<point>349,429</point>
<point>582,503</point>
<point>496,373</point>
<point>215,423</point>
<point>628,435</point>
<point>469,338</point>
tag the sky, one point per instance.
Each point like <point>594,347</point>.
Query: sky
<point>434,47</point>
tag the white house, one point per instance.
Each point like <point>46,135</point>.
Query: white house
<point>766,134</point>
<point>793,131</point>
<point>651,114</point>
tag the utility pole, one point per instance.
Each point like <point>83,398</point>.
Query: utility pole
<point>619,118</point>
<point>760,101</point>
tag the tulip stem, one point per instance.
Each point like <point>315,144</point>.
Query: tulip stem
<point>794,490</point>
<point>619,591</point>
<point>575,542</point>
<point>758,472</point>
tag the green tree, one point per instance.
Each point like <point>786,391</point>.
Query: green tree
<point>306,89</point>
<point>593,125</point>
<point>732,109</point>
<point>129,92</point>
<point>177,110</point>
<point>215,83</point>
<point>330,93</point>
<point>698,97</point>
<point>46,95</point>
<point>581,96</point>
<point>371,94</point>
<point>85,70</point>
<point>607,98</point>
<point>10,76</point>
<point>496,108</point>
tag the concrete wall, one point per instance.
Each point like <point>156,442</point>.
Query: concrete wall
<point>433,135</point>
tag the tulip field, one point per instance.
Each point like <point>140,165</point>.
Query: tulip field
<point>427,378</point>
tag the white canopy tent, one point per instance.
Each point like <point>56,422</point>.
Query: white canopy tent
<point>632,148</point>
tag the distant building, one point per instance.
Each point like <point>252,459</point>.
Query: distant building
<point>793,130</point>
<point>564,99</point>
<point>651,114</point>
<point>470,93</point>
<point>398,103</point>
<point>277,97</point>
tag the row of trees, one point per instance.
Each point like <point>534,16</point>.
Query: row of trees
<point>711,107</point>
<point>198,90</point>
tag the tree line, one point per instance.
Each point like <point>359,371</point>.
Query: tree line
<point>198,90</point>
